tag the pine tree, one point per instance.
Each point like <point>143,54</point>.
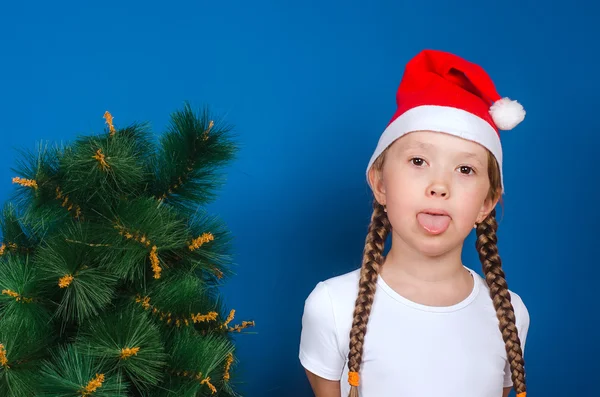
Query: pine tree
<point>110,266</point>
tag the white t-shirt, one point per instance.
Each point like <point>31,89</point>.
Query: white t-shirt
<point>410,350</point>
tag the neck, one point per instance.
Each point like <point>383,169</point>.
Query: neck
<point>406,262</point>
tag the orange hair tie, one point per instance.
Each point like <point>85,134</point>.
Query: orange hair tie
<point>354,379</point>
<point>524,394</point>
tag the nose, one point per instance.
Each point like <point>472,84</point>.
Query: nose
<point>438,189</point>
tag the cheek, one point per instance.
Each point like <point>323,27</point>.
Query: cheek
<point>404,197</point>
<point>400,179</point>
<point>469,203</point>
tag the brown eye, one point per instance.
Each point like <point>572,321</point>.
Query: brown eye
<point>466,170</point>
<point>417,161</point>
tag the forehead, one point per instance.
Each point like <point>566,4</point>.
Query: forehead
<point>430,140</point>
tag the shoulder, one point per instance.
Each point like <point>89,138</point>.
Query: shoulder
<point>323,344</point>
<point>332,300</point>
<point>343,285</point>
<point>335,291</point>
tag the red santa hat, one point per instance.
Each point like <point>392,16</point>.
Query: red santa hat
<point>442,92</point>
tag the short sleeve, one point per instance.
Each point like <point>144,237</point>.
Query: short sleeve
<point>522,323</point>
<point>319,349</point>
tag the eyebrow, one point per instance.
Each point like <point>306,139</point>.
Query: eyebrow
<point>417,145</point>
<point>468,155</point>
<point>428,146</point>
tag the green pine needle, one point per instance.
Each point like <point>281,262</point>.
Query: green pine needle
<point>139,136</point>
<point>107,337</point>
<point>17,383</point>
<point>136,227</point>
<point>189,156</point>
<point>74,277</point>
<point>15,235</point>
<point>213,257</point>
<point>90,291</point>
<point>20,287</point>
<point>23,344</point>
<point>41,208</point>
<point>107,248</point>
<point>71,371</point>
<point>183,295</point>
<point>97,168</point>
<point>40,165</point>
<point>202,356</point>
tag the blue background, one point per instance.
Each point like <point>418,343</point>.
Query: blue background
<point>310,86</point>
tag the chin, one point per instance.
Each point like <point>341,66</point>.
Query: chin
<point>430,245</point>
<point>433,247</point>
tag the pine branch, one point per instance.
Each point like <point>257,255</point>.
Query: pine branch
<point>23,341</point>
<point>38,193</point>
<point>208,253</point>
<point>199,361</point>
<point>75,278</point>
<point>130,343</point>
<point>111,268</point>
<point>72,373</point>
<point>16,237</point>
<point>140,231</point>
<point>21,293</point>
<point>180,301</point>
<point>190,154</point>
<point>98,169</point>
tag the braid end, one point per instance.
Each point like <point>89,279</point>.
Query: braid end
<point>353,378</point>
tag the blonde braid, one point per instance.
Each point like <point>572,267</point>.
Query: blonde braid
<point>379,229</point>
<point>494,276</point>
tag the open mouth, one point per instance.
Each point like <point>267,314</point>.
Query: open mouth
<point>436,212</point>
<point>433,221</point>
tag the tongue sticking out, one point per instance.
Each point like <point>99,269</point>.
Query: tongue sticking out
<point>434,224</point>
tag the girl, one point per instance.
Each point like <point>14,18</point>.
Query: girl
<point>417,322</point>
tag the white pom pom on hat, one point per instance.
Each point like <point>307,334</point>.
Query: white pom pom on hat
<point>443,92</point>
<point>507,114</point>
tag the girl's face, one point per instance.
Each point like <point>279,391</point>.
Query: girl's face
<point>435,187</point>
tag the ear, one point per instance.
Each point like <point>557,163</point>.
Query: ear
<point>486,208</point>
<point>377,185</point>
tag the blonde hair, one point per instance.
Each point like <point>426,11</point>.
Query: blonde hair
<point>486,245</point>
